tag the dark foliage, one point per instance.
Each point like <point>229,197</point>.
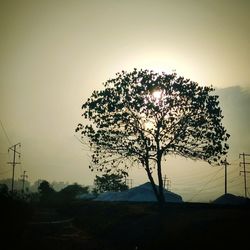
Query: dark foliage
<point>70,192</point>
<point>15,214</point>
<point>110,182</point>
<point>45,188</point>
<point>47,193</point>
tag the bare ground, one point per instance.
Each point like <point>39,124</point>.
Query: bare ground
<point>114,226</point>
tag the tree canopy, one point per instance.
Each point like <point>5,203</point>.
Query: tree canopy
<point>112,182</point>
<point>71,191</point>
<point>142,116</point>
<point>45,188</point>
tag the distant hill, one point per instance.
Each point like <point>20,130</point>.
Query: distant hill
<point>230,199</point>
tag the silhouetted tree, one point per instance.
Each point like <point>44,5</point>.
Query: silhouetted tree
<point>46,191</point>
<point>45,188</point>
<point>71,191</point>
<point>143,116</point>
<point>112,182</point>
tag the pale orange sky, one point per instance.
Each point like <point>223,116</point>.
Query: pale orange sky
<point>55,53</point>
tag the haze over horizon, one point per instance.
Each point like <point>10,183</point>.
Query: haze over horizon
<point>55,53</point>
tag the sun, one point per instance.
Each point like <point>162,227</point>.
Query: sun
<point>149,125</point>
<point>157,95</point>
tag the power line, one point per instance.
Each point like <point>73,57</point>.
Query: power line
<point>7,137</point>
<point>13,148</point>
<point>236,184</point>
<point>205,185</point>
<point>235,179</point>
<point>190,178</point>
<point>199,182</point>
<point>210,187</point>
<point>232,178</point>
<point>233,174</point>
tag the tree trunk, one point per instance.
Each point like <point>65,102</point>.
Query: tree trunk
<point>159,174</point>
<point>150,177</point>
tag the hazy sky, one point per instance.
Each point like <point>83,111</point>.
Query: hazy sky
<point>53,54</point>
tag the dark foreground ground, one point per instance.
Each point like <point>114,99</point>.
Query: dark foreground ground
<point>110,226</point>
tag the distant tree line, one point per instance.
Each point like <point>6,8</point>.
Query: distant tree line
<point>32,187</point>
<point>46,193</point>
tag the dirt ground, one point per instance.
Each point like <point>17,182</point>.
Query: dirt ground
<point>114,226</point>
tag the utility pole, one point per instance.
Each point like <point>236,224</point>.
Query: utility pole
<point>13,148</point>
<point>225,164</point>
<point>129,182</point>
<point>23,176</point>
<point>244,170</point>
<point>164,181</point>
<point>167,182</point>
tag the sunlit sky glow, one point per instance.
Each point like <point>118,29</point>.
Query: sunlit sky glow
<point>157,95</point>
<point>55,53</point>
